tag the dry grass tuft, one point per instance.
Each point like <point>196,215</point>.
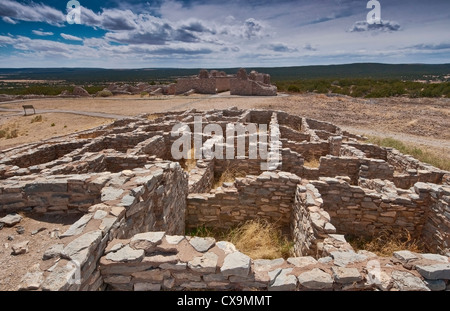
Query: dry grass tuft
<point>229,175</point>
<point>258,239</point>
<point>9,132</point>
<point>154,116</point>
<point>387,243</point>
<point>312,162</point>
<point>189,164</point>
<point>36,119</point>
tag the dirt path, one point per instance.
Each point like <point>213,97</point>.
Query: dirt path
<point>83,113</point>
<point>426,141</point>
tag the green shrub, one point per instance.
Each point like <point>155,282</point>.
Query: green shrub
<point>53,125</point>
<point>293,88</point>
<point>105,93</point>
<point>94,89</point>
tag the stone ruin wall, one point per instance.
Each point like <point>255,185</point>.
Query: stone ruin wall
<point>255,84</point>
<point>268,196</point>
<point>136,205</point>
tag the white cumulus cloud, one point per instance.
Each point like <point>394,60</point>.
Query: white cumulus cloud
<point>42,33</point>
<point>70,37</point>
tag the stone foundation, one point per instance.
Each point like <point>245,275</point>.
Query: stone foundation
<point>136,201</point>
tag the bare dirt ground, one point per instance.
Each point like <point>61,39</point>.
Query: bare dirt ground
<point>14,267</point>
<point>52,124</point>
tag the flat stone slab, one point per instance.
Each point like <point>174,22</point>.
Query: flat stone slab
<point>78,227</point>
<point>111,193</point>
<point>174,239</point>
<point>53,251</point>
<point>342,259</point>
<point>236,264</point>
<point>31,281</point>
<point>202,244</point>
<point>78,250</point>
<point>126,254</point>
<point>346,275</point>
<point>266,264</point>
<point>405,281</point>
<point>99,214</point>
<point>11,220</point>
<point>147,241</point>
<point>147,287</point>
<point>205,264</point>
<point>284,282</point>
<point>435,285</point>
<point>435,257</point>
<point>301,262</point>
<point>316,279</point>
<point>405,256</point>
<point>435,272</point>
<point>60,278</point>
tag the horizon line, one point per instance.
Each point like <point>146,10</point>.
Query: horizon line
<point>212,68</point>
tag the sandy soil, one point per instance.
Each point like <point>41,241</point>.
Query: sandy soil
<point>30,132</point>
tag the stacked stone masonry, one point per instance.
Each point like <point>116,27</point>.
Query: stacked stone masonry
<point>255,84</point>
<point>135,202</point>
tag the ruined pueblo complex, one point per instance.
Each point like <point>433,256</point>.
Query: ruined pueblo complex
<point>134,201</point>
<point>212,82</point>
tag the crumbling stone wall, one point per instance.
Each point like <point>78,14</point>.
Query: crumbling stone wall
<point>117,176</point>
<point>61,193</point>
<point>269,195</point>
<point>293,135</point>
<point>130,202</point>
<point>362,212</point>
<point>370,150</point>
<point>292,162</point>
<point>205,83</point>
<point>201,86</point>
<point>42,154</point>
<point>155,261</point>
<point>201,178</point>
<point>309,150</point>
<point>322,126</point>
<point>252,85</point>
<point>222,84</point>
<point>436,231</point>
<point>311,224</point>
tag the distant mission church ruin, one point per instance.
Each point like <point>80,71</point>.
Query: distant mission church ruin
<point>243,84</point>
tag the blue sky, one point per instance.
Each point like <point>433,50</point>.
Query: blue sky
<point>213,34</point>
